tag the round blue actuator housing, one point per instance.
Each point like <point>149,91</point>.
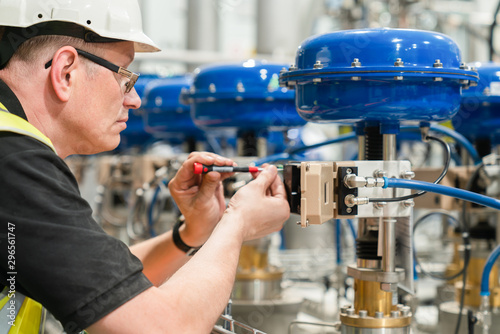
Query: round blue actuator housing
<point>385,75</point>
<point>479,115</point>
<point>242,96</point>
<point>163,114</point>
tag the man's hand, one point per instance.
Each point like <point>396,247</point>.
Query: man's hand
<point>200,198</point>
<point>261,205</point>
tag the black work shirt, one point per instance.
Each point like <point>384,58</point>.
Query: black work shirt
<point>63,259</point>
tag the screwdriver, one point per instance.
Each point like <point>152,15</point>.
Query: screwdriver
<point>203,169</point>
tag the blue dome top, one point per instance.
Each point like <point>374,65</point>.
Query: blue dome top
<point>243,95</point>
<point>164,116</point>
<point>378,74</point>
<point>254,79</point>
<point>479,115</point>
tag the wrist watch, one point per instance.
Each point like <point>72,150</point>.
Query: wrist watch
<point>190,251</point>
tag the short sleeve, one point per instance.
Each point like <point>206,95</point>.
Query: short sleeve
<point>63,259</point>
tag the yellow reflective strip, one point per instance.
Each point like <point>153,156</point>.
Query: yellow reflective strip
<point>16,124</point>
<point>5,299</point>
<point>28,318</point>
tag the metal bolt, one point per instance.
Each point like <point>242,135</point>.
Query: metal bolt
<point>318,65</point>
<point>438,63</point>
<point>363,313</point>
<point>240,87</point>
<point>350,311</point>
<point>317,80</point>
<point>292,67</point>
<point>348,210</point>
<point>292,83</point>
<point>438,79</point>
<point>399,77</point>
<point>379,173</point>
<point>408,203</point>
<point>400,307</point>
<point>307,222</point>
<point>355,78</point>
<point>407,174</point>
<point>379,315</point>
<point>463,81</point>
<point>308,166</point>
<point>406,311</point>
<point>348,171</point>
<point>398,62</point>
<point>394,314</point>
<point>355,63</point>
<point>299,223</point>
<point>212,88</point>
<point>344,309</point>
<point>379,205</point>
<point>462,66</point>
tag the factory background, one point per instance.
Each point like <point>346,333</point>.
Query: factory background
<point>319,275</point>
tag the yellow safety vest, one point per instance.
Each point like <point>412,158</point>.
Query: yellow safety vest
<point>18,313</point>
<point>13,123</point>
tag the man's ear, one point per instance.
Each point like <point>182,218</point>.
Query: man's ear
<point>63,72</point>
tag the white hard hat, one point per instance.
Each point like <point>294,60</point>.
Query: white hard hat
<point>91,20</point>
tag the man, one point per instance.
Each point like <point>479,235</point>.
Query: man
<point>64,89</point>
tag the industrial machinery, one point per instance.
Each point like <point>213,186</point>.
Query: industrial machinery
<point>166,118</point>
<point>478,121</point>
<point>245,98</point>
<point>375,79</point>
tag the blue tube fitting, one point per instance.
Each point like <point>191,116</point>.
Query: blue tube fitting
<point>385,182</point>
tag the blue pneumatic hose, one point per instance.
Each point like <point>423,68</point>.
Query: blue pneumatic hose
<point>272,158</point>
<point>443,190</point>
<point>453,134</point>
<point>485,279</point>
<point>339,139</point>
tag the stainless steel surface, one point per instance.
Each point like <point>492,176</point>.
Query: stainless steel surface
<point>256,290</point>
<point>271,316</point>
<point>448,317</point>
<point>389,142</point>
<point>389,249</point>
<point>233,326</point>
<point>376,275</point>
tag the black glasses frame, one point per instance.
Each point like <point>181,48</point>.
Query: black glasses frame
<point>110,66</point>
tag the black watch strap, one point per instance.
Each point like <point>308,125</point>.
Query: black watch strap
<point>190,251</point>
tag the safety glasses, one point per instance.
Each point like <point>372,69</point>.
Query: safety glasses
<point>110,66</point>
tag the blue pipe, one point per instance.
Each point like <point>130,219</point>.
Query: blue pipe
<point>339,139</point>
<point>353,230</point>
<point>443,190</point>
<point>272,158</point>
<point>290,155</point>
<point>453,134</point>
<point>485,279</point>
